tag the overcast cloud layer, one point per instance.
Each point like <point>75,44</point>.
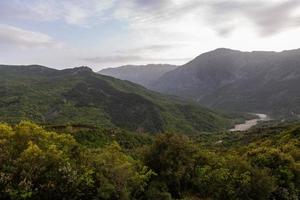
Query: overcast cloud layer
<point>105,33</point>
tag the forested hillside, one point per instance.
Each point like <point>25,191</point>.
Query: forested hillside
<point>259,81</point>
<point>80,96</point>
<point>161,126</point>
<point>72,162</point>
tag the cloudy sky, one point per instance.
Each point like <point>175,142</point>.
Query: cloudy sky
<point>108,33</point>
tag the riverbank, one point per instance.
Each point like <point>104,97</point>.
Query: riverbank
<point>250,123</point>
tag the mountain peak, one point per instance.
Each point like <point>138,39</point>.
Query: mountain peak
<point>82,69</point>
<point>224,50</point>
<point>79,70</point>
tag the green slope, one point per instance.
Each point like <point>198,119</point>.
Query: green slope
<point>259,82</point>
<point>78,95</point>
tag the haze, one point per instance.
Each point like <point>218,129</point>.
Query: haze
<point>108,33</point>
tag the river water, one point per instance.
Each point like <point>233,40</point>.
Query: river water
<point>250,123</point>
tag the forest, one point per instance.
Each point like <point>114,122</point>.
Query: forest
<point>149,100</point>
<point>88,162</point>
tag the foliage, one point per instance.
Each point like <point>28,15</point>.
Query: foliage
<point>265,168</point>
<point>88,163</point>
<point>36,164</point>
<point>79,96</point>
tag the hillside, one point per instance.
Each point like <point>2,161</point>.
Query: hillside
<point>80,96</point>
<point>263,82</point>
<point>72,162</point>
<point>144,75</point>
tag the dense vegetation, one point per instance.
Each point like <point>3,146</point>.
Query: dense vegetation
<point>78,95</point>
<point>89,139</point>
<point>86,162</point>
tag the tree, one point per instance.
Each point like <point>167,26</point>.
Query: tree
<point>37,164</point>
<point>171,157</point>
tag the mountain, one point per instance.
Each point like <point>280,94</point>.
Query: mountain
<point>264,82</point>
<point>80,96</point>
<point>144,75</point>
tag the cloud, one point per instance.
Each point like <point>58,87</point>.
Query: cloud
<point>113,59</point>
<point>150,49</point>
<point>79,12</point>
<point>148,30</point>
<point>152,3</point>
<point>75,12</point>
<point>128,59</point>
<point>20,38</point>
<point>267,17</point>
<point>223,16</point>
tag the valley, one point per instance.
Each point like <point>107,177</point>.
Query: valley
<point>75,133</point>
<point>250,123</point>
<point>233,80</point>
<point>149,100</point>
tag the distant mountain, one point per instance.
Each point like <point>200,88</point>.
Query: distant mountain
<point>79,95</point>
<point>258,81</point>
<point>144,75</point>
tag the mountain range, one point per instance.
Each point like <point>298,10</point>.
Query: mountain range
<point>144,75</point>
<point>80,96</point>
<point>258,81</point>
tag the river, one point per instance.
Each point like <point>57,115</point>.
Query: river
<point>250,123</point>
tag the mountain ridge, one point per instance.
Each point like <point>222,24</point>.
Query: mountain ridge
<point>230,79</point>
<point>141,74</point>
<point>242,81</point>
<point>78,95</point>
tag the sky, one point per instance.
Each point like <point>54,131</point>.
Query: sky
<point>109,33</point>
